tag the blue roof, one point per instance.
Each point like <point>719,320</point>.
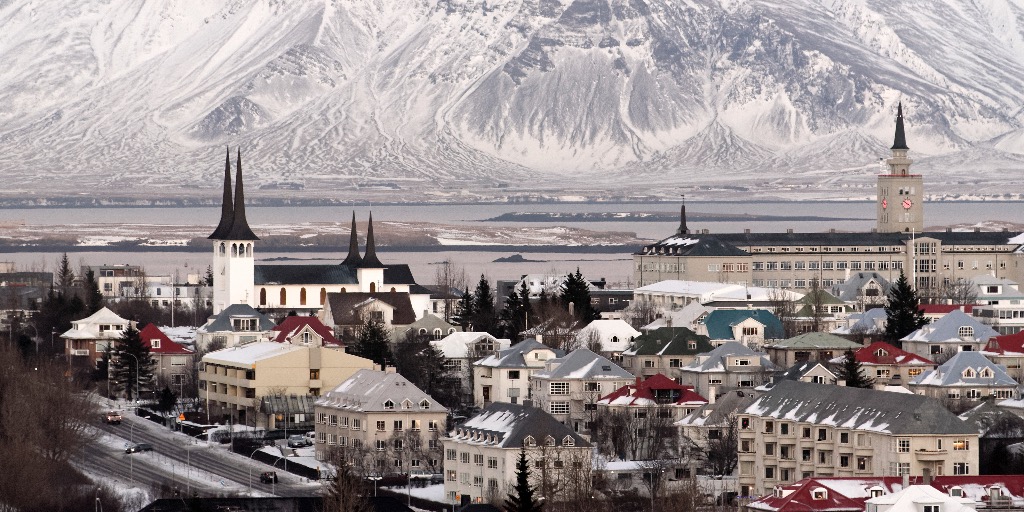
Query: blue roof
<point>720,322</point>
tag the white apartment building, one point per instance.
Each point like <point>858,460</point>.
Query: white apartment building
<point>505,376</point>
<point>569,387</point>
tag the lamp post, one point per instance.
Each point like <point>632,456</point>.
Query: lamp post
<point>250,469</point>
<point>375,480</point>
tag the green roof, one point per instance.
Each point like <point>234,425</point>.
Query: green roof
<point>720,322</point>
<point>669,341</point>
<point>818,340</point>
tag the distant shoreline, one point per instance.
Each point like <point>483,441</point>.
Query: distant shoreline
<point>657,217</point>
<point>341,251</point>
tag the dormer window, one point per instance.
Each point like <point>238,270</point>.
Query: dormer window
<point>389,405</point>
<point>881,352</point>
<point>549,441</point>
<point>568,441</point>
<point>986,373</point>
<point>966,332</point>
<point>529,442</point>
<point>819,493</point>
<point>956,491</point>
<point>407,404</point>
<point>424,404</point>
<point>969,373</point>
<point>876,491</point>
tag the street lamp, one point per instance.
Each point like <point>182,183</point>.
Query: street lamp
<point>250,469</point>
<point>375,479</point>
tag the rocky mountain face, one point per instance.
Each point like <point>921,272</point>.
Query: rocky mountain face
<point>429,99</point>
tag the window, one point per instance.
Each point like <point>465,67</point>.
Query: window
<point>380,445</point>
<point>450,454</point>
<point>769,472</point>
<point>398,425</point>
<point>744,423</point>
<point>844,437</point>
<point>478,459</point>
<point>559,388</point>
<point>903,445</point>
<point>432,425</point>
<point>314,375</point>
<point>513,374</point>
<point>961,445</point>
<point>769,427</point>
<point>464,457</point>
<point>844,461</point>
<point>806,434</point>
<point>389,405</point>
<point>380,426</point>
<point>961,468</point>
<point>784,429</point>
<point>966,332</point>
<point>357,424</point>
<point>529,442</point>
<point>492,462</point>
<point>559,407</point>
<point>822,434</point>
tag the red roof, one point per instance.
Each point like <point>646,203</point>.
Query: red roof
<point>165,346</point>
<point>1008,343</point>
<point>292,325</point>
<point>799,496</point>
<point>942,309</point>
<point>648,389</point>
<point>890,355</point>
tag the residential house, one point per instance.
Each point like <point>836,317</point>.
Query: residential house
<point>1001,304</point>
<point>864,290</point>
<point>689,316</point>
<point>234,325</point>
<point>933,312</point>
<point>870,323</point>
<point>505,376</point>
<point>90,337</point>
<point>347,312</point>
<point>430,327</point>
<point>569,387</point>
<point>811,346</point>
<point>398,423</point>
<point>920,497</point>
<point>675,294</point>
<point>1007,350</point>
<point>955,331</point>
<point>714,423</point>
<point>234,379</point>
<point>799,430</point>
<point>967,376</point>
<point>655,392</point>
<point>819,310</point>
<point>728,366</point>
<point>174,362</point>
<point>818,372</point>
<point>664,350</point>
<point>607,337</point>
<point>462,349</point>
<point>481,454</point>
<point>751,327</point>
<point>887,364</point>
<point>304,330</point>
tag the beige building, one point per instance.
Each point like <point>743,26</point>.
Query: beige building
<point>569,387</point>
<point>386,419</point>
<point>233,380</point>
<point>505,376</point>
<point>798,430</point>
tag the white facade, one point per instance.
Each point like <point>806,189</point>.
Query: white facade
<point>233,273</point>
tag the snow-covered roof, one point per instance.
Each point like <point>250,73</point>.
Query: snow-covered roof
<point>966,369</point>
<point>614,335</point>
<point>164,344</point>
<point>871,321</point>
<point>250,353</point>
<point>376,391</point>
<point>882,353</point>
<point>815,341</point>
<point>948,329</point>
<point>707,291</point>
<point>222,322</point>
<point>910,498</point>
<point>459,345</point>
<point>508,425</point>
<point>715,361</point>
<point>654,390</point>
<point>516,356</point>
<point>685,317</point>
<point>582,364</point>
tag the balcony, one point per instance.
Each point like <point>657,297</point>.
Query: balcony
<point>930,455</point>
<point>79,352</point>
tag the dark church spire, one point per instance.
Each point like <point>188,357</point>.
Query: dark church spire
<point>239,226</point>
<point>370,259</point>
<point>900,141</point>
<point>353,258</point>
<point>227,211</point>
<point>683,230</point>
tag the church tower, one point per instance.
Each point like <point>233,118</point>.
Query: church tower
<point>233,240</point>
<point>370,271</point>
<point>900,194</point>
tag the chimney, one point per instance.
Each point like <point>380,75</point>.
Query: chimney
<point>712,391</point>
<point>977,230</point>
<point>540,338</point>
<point>926,476</point>
<point>906,480</point>
<point>746,231</point>
<point>789,230</point>
<point>527,403</point>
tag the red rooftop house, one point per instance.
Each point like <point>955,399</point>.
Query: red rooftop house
<point>657,391</point>
<point>173,360</point>
<point>889,365</point>
<point>1007,350</point>
<point>305,330</point>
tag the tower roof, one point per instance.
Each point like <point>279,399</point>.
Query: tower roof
<point>353,258</point>
<point>227,210</point>
<point>370,259</point>
<point>239,225</point>
<point>683,230</point>
<point>900,140</point>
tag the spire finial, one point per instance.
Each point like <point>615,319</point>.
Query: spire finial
<point>900,140</point>
<point>683,230</point>
<point>239,225</point>
<point>227,209</point>
<point>353,258</point>
<point>370,258</point>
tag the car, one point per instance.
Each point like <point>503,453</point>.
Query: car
<point>112,418</point>
<point>138,447</point>
<point>297,441</point>
<point>310,438</point>
<point>268,477</point>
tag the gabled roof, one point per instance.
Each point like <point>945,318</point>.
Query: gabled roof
<point>720,412</point>
<point>103,316</point>
<point>882,353</point>
<point>614,335</point>
<point>715,360</point>
<point>507,425</point>
<point>801,496</point>
<point>653,391</point>
<point>430,322</point>
<point>871,321</point>
<point>858,409</point>
<point>457,344</point>
<point>684,317</point>
<point>669,341</point>
<point>293,325</point>
<point>345,307</point>
<point>948,327</point>
<point>849,290</point>
<point>816,341</point>
<point>222,322</point>
<point>951,373</point>
<point>371,390</point>
<point>942,309</point>
<point>165,346</point>
<point>582,364</point>
<point>911,497</point>
<point>692,245</point>
<point>1006,345</point>
<point>721,321</point>
<point>515,356</point>
<point>799,370</point>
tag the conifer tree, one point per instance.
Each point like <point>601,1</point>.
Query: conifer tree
<point>484,317</point>
<point>853,373</point>
<point>522,498</point>
<point>131,365</point>
<point>64,276</point>
<point>515,314</point>
<point>576,290</point>
<point>903,312</point>
<point>373,343</point>
<point>464,315</point>
<point>93,297</point>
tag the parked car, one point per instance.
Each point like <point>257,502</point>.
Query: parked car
<point>310,438</point>
<point>268,477</point>
<point>112,418</point>
<point>138,447</point>
<point>297,441</point>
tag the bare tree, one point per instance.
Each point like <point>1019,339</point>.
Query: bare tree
<point>722,444</point>
<point>449,279</point>
<point>345,490</point>
<point>784,308</point>
<point>959,291</point>
<point>815,298</point>
<point>640,313</point>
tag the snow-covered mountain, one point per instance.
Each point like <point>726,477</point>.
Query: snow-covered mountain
<point>428,97</point>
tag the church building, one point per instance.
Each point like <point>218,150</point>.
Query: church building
<point>792,260</point>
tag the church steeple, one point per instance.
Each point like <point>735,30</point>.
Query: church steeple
<point>900,140</point>
<point>239,225</point>
<point>353,258</point>
<point>227,211</point>
<point>683,230</point>
<point>370,258</point>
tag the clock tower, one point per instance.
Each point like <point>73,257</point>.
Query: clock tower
<point>900,194</point>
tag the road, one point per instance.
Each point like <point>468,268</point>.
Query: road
<point>180,462</point>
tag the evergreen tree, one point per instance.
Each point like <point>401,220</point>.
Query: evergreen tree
<point>903,312</point>
<point>131,365</point>
<point>209,275</point>
<point>424,365</point>
<point>373,343</point>
<point>93,297</point>
<point>167,400</point>
<point>65,277</point>
<point>853,373</point>
<point>464,315</point>
<point>522,498</point>
<point>484,317</point>
<point>516,312</point>
<point>576,291</point>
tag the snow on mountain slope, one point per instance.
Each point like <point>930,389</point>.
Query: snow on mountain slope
<point>503,96</point>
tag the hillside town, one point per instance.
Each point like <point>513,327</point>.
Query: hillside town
<point>828,371</point>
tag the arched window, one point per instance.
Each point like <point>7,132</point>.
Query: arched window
<point>437,334</point>
<point>284,297</point>
<point>423,332</point>
<point>966,332</point>
<point>234,250</point>
<point>323,296</point>
<point>373,287</point>
<point>302,297</point>
<point>248,250</point>
<point>263,296</point>
<point>223,249</point>
<point>393,289</point>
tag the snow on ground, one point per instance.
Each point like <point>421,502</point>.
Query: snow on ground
<point>433,493</point>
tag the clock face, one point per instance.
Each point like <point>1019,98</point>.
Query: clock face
<point>885,203</point>
<point>907,203</point>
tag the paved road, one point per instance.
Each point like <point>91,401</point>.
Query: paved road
<point>174,460</point>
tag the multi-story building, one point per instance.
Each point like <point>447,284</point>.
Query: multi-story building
<point>1008,351</point>
<point>728,366</point>
<point>505,376</point>
<point>751,327</point>
<point>234,379</point>
<point>656,392</point>
<point>90,337</point>
<point>174,362</point>
<point>611,337</point>
<point>793,260</point>
<point>569,387</point>
<point>955,331</point>
<point>799,430</point>
<point>965,376</point>
<point>462,349</point>
<point>673,294</point>
<point>233,325</point>
<point>812,346</point>
<point>481,455</point>
<point>399,425</point>
<point>1001,304</point>
<point>664,350</point>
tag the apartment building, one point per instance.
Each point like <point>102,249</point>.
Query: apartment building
<point>955,331</point>
<point>1001,304</point>
<point>966,376</point>
<point>505,376</point>
<point>569,387</point>
<point>799,430</point>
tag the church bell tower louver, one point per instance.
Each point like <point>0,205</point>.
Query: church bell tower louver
<point>900,194</point>
<point>233,242</point>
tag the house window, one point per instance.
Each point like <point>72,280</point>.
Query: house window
<point>961,468</point>
<point>559,407</point>
<point>389,405</point>
<point>961,445</point>
<point>903,445</point>
<point>750,331</point>
<point>450,454</point>
<point>559,388</point>
<point>398,425</point>
<point>513,374</point>
<point>966,332</point>
<point>492,462</point>
<point>381,426</point>
<point>844,437</point>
